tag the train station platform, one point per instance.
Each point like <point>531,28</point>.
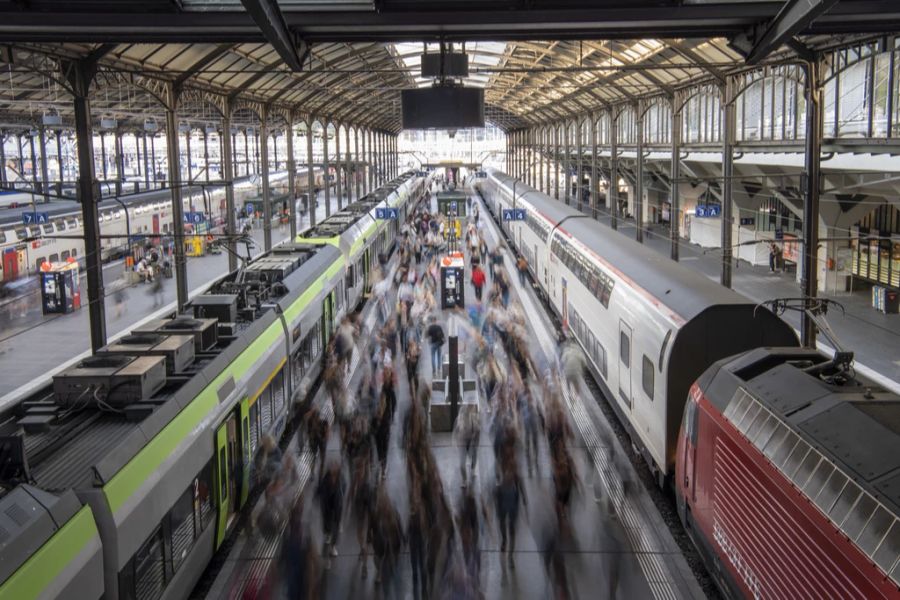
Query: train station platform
<point>872,336</point>
<point>33,346</point>
<point>620,548</point>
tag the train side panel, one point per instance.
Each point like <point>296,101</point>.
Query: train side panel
<point>762,536</point>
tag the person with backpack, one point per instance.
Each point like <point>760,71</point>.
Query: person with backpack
<point>435,335</point>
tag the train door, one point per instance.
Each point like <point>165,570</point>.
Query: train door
<point>564,305</point>
<point>227,472</point>
<point>246,451</point>
<point>327,318</point>
<point>625,362</point>
<point>689,446</point>
<point>537,265</point>
<point>365,269</point>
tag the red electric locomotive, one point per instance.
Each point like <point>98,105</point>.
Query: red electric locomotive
<point>788,478</point>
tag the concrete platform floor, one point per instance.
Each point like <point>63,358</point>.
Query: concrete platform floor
<point>626,552</point>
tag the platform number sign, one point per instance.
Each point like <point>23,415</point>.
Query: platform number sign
<point>387,213</point>
<point>35,218</point>
<point>194,218</point>
<point>514,214</point>
<point>710,210</point>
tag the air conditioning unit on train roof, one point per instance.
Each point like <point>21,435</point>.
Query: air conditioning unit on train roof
<point>110,380</point>
<point>178,350</point>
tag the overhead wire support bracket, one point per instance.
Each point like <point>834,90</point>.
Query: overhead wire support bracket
<point>267,16</point>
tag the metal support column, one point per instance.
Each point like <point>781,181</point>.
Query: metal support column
<point>80,75</point>
<point>292,177</point>
<point>595,175</point>
<point>120,162</point>
<point>60,164</point>
<point>639,179</point>
<point>45,184</point>
<point>146,162</point>
<point>545,163</point>
<point>187,153</point>
<point>2,157</point>
<point>246,153</point>
<point>206,154</point>
<point>612,194</point>
<point>263,144</point>
<point>347,171</point>
<point>567,165</point>
<point>177,205</point>
<point>102,156</point>
<point>153,156</point>
<point>326,169</point>
<point>339,174</point>
<point>370,146</point>
<point>675,174</point>
<point>809,277</point>
<point>728,133</point>
<point>228,178</point>
<point>310,176</point>
<point>579,168</point>
<point>357,164</point>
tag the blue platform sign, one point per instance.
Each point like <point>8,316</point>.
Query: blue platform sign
<point>35,218</point>
<point>194,218</point>
<point>709,210</point>
<point>387,213</point>
<point>249,209</point>
<point>514,214</point>
<point>779,234</point>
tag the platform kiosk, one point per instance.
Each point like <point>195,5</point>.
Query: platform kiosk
<point>453,277</point>
<point>60,287</point>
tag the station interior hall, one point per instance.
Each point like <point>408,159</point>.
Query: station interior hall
<point>449,299</point>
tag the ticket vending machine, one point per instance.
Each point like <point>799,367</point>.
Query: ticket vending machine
<point>60,293</point>
<point>453,274</point>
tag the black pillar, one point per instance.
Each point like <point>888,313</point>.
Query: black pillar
<point>612,194</point>
<point>728,131</point>
<point>809,278</point>
<point>80,75</point>
<point>228,178</point>
<point>263,141</point>
<point>675,172</point>
<point>177,206</point>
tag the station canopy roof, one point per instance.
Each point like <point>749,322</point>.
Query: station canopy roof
<point>354,56</point>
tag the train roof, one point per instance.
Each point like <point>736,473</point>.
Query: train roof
<point>683,290</point>
<point>774,397</point>
<point>344,219</point>
<point>85,445</point>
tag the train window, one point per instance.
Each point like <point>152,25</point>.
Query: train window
<point>647,376</point>
<point>738,405</point>
<point>73,223</point>
<point>223,474</point>
<point>54,258</point>
<point>64,255</point>
<point>601,352</point>
<point>21,234</point>
<point>74,252</point>
<point>830,491</point>
<point>875,530</point>
<point>38,262</point>
<point>858,517</point>
<point>690,421</point>
<point>818,479</point>
<point>60,225</point>
<point>809,464</point>
<point>181,526</point>
<point>150,568</point>
<point>625,349</point>
<point>278,392</point>
<point>2,237</point>
<point>889,549</point>
<point>845,502</point>
<point>47,229</point>
<point>202,497</point>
